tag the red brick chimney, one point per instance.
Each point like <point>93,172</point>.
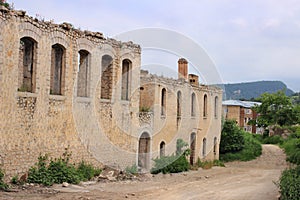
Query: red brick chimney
<point>183,69</point>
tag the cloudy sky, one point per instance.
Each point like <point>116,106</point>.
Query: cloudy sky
<point>247,39</point>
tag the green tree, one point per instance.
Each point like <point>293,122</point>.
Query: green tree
<point>276,109</point>
<point>232,139</point>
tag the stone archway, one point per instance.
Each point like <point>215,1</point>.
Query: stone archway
<point>144,151</point>
<point>193,148</point>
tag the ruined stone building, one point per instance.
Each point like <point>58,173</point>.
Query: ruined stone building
<point>62,88</point>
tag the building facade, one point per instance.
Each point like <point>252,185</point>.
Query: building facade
<point>242,112</point>
<point>63,88</point>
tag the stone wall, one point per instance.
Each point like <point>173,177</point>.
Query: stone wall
<point>63,88</point>
<point>39,117</point>
<point>171,126</point>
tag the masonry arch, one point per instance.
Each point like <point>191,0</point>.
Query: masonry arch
<point>144,151</point>
<point>193,148</point>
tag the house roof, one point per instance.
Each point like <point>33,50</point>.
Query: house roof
<point>245,104</point>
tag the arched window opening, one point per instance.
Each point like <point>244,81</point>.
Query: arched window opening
<point>193,105</point>
<point>83,74</point>
<point>215,145</point>
<point>106,77</point>
<point>163,101</point>
<point>205,106</point>
<point>216,107</point>
<point>204,147</point>
<point>126,67</point>
<point>57,69</point>
<point>179,104</point>
<point>27,65</point>
<point>162,147</point>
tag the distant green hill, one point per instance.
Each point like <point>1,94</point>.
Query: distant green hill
<point>251,90</point>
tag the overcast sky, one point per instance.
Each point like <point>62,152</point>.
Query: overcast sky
<point>247,39</point>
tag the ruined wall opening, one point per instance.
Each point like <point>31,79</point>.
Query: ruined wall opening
<point>27,65</point>
<point>106,77</point>
<point>205,106</point>
<point>193,148</point>
<point>216,107</point>
<point>83,74</point>
<point>126,68</point>
<point>204,148</point>
<point>162,150</point>
<point>179,101</point>
<point>193,105</point>
<point>215,145</point>
<point>144,151</point>
<point>163,101</point>
<point>57,69</point>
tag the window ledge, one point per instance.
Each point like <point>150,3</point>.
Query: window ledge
<point>125,102</point>
<point>26,94</point>
<point>163,116</point>
<point>83,100</point>
<point>105,100</point>
<point>57,97</point>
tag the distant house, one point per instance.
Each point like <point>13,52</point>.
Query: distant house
<point>242,112</point>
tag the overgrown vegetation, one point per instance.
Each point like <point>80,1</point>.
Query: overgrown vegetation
<point>174,163</point>
<point>5,4</point>
<point>3,185</point>
<point>132,169</point>
<point>237,144</point>
<point>265,139</point>
<point>290,178</point>
<point>49,171</point>
<point>144,109</point>
<point>289,184</point>
<point>209,164</point>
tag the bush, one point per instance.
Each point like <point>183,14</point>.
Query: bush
<point>40,173</point>
<point>275,139</point>
<point>132,170</point>
<point>232,139</point>
<point>3,185</point>
<point>291,147</point>
<point>294,157</point>
<point>60,170</point>
<point>170,164</point>
<point>87,171</point>
<point>289,184</point>
<point>252,149</point>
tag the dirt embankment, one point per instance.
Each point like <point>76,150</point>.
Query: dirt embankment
<point>253,180</point>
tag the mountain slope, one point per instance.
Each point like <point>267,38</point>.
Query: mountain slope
<point>254,89</point>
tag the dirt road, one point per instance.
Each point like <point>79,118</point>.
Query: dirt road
<point>253,180</point>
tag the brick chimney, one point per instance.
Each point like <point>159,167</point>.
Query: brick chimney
<point>194,79</point>
<point>183,69</point>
